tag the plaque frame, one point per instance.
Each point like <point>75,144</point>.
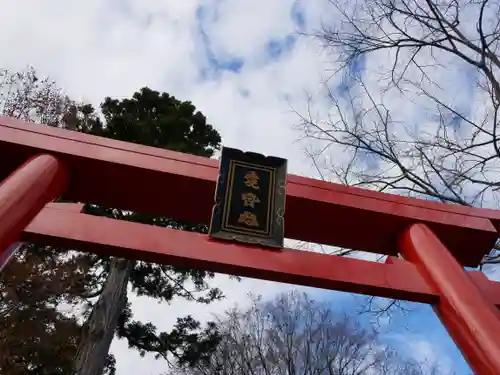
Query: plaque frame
<point>272,236</point>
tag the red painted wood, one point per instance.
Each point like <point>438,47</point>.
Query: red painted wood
<point>12,123</point>
<point>490,289</point>
<point>74,207</point>
<point>136,177</point>
<point>185,249</point>
<point>470,318</point>
<point>147,179</point>
<point>191,159</point>
<point>25,192</point>
<point>112,237</point>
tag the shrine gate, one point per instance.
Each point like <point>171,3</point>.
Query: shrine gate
<point>41,163</point>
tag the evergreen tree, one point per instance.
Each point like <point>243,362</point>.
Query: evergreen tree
<point>157,120</point>
<point>41,280</point>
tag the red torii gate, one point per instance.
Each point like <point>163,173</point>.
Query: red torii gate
<point>40,163</point>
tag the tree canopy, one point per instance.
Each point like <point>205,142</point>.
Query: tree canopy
<point>47,277</point>
<point>295,334</point>
<point>412,108</point>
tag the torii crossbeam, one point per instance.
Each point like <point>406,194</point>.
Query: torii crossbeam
<point>41,163</point>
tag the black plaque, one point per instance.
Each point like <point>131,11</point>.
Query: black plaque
<point>250,199</point>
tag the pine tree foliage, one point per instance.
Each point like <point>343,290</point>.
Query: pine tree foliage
<point>48,286</point>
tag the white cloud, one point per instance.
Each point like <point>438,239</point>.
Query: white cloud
<point>99,48</point>
<point>164,316</point>
<point>111,48</point>
<point>250,26</point>
<point>424,350</point>
<point>449,78</point>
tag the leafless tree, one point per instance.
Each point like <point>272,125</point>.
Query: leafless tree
<point>293,334</point>
<point>394,53</point>
<point>23,95</point>
<point>413,100</point>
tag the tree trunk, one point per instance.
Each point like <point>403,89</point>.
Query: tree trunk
<point>98,331</point>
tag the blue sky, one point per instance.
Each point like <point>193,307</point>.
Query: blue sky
<point>422,326</point>
<point>416,331</point>
<point>243,64</point>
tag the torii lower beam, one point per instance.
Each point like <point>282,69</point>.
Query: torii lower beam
<point>432,276</point>
<point>400,279</point>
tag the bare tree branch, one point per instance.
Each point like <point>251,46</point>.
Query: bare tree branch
<point>392,53</point>
<point>293,334</point>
